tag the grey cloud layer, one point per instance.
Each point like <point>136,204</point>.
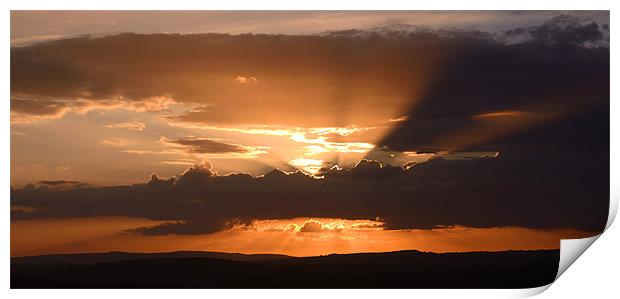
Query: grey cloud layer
<point>32,26</point>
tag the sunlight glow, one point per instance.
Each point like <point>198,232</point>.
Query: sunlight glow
<point>321,144</point>
<point>400,119</point>
<point>311,166</point>
<point>246,80</point>
<point>284,236</point>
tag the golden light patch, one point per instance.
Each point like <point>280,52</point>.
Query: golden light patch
<point>133,125</point>
<point>506,113</point>
<point>400,119</point>
<point>246,80</point>
<point>311,166</point>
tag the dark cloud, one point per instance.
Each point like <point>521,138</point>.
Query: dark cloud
<point>37,107</point>
<point>550,92</point>
<point>537,192</point>
<point>354,77</point>
<point>311,226</point>
<point>58,184</point>
<point>329,71</point>
<point>563,29</point>
<point>364,170</point>
<point>208,146</point>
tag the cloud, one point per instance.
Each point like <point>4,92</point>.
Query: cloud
<point>316,226</point>
<point>205,146</point>
<point>195,173</point>
<point>528,88</point>
<point>133,125</point>
<point>498,114</point>
<point>302,225</point>
<point>549,90</point>
<point>57,182</point>
<point>246,80</point>
<point>399,119</point>
<point>311,166</point>
<point>369,225</point>
<point>320,141</point>
<point>30,27</point>
<point>72,70</point>
<point>60,184</point>
<point>562,29</point>
<point>311,226</point>
<point>116,142</point>
<point>364,170</point>
<point>208,146</point>
<point>536,192</point>
<point>26,109</point>
<point>355,77</point>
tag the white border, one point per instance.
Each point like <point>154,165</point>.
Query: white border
<point>595,272</point>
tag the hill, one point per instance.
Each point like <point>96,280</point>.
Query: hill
<point>401,269</point>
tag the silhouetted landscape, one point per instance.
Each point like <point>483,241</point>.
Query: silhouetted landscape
<point>401,269</point>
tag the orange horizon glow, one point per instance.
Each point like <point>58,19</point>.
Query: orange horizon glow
<point>294,237</point>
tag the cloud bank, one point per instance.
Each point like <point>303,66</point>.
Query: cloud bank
<point>354,77</point>
<point>538,192</point>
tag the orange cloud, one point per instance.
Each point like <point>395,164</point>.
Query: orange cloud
<point>117,142</point>
<point>506,113</point>
<point>25,110</point>
<point>133,125</point>
<point>399,119</point>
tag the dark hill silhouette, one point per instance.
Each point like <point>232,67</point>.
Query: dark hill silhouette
<point>401,269</point>
<point>118,256</point>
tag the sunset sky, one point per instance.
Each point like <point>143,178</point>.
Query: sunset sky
<point>307,133</point>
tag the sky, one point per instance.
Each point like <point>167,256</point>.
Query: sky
<point>377,131</point>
